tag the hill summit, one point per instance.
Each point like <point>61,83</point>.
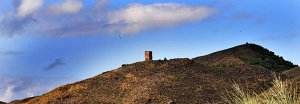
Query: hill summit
<point>182,80</point>
<point>247,54</point>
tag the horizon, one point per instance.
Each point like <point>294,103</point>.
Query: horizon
<point>49,43</point>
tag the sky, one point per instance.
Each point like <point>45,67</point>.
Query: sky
<point>48,43</point>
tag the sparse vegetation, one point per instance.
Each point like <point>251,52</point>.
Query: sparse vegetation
<point>269,60</point>
<point>181,80</point>
<point>280,93</point>
<point>250,54</point>
<point>165,59</point>
<point>123,65</point>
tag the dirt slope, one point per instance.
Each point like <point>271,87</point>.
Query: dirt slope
<point>247,54</point>
<point>292,73</point>
<point>178,80</point>
<point>182,81</point>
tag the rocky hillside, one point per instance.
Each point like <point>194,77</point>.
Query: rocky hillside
<point>292,73</point>
<point>181,81</point>
<point>293,76</point>
<point>246,54</point>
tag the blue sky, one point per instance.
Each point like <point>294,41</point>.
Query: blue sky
<point>48,43</point>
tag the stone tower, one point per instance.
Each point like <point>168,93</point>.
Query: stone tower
<point>148,55</point>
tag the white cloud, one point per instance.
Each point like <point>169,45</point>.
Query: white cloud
<point>68,7</point>
<point>8,93</point>
<point>27,7</point>
<point>97,20</point>
<point>12,88</point>
<point>139,17</point>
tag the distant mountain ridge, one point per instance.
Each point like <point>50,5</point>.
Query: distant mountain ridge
<point>186,81</point>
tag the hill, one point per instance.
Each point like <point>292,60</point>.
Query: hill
<point>293,76</point>
<point>2,102</point>
<point>178,80</point>
<point>284,90</point>
<point>292,73</point>
<point>246,54</point>
<point>186,81</point>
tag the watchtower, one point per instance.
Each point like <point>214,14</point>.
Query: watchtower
<point>148,55</point>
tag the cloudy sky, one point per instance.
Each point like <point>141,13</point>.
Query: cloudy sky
<point>48,43</point>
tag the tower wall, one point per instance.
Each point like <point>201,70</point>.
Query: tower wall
<point>148,55</point>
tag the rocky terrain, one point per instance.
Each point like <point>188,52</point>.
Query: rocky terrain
<point>292,73</point>
<point>181,81</point>
<point>293,76</point>
<point>247,54</point>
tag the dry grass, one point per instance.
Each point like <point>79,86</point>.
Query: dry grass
<point>280,93</point>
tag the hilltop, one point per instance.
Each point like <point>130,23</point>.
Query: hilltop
<point>247,54</point>
<point>187,81</point>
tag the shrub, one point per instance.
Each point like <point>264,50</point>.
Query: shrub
<point>280,93</point>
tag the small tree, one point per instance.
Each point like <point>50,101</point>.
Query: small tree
<point>165,59</point>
